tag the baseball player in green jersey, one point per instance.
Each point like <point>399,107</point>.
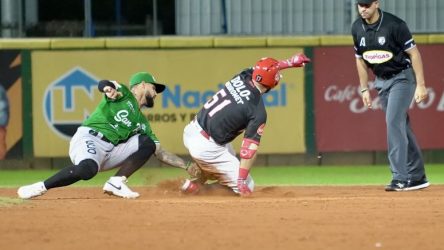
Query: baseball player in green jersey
<point>116,135</point>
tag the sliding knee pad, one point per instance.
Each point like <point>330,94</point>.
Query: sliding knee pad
<point>146,146</point>
<point>87,169</point>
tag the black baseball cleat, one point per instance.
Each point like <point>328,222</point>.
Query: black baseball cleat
<point>415,185</point>
<point>396,185</point>
<point>409,185</point>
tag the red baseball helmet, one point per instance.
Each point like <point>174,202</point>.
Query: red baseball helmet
<point>266,72</point>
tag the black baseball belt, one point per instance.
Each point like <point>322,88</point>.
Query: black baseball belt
<point>99,135</point>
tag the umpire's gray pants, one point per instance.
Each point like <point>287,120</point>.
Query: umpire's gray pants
<point>404,154</point>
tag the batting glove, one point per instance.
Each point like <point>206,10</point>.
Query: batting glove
<point>295,61</point>
<point>242,185</point>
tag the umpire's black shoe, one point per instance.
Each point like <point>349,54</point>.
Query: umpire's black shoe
<point>409,185</point>
<point>415,185</point>
<point>396,185</point>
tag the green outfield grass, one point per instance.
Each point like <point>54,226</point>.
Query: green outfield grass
<point>263,176</point>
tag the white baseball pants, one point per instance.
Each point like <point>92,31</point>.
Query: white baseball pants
<point>219,162</point>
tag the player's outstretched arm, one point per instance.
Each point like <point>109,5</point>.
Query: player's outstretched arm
<point>298,60</point>
<point>248,156</point>
<point>175,161</point>
<point>244,171</point>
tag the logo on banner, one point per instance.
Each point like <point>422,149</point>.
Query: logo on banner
<point>176,97</point>
<point>69,100</point>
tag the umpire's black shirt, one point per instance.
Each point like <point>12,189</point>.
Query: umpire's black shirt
<point>235,108</point>
<point>382,45</point>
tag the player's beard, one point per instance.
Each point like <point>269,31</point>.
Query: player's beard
<point>149,101</point>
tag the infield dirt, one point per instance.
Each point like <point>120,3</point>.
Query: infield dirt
<point>363,217</point>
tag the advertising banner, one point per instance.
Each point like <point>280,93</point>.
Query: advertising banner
<point>11,129</point>
<point>342,121</point>
<point>65,93</point>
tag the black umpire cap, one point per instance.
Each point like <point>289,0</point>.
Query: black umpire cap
<point>365,1</point>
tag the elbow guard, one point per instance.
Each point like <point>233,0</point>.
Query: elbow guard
<point>248,148</point>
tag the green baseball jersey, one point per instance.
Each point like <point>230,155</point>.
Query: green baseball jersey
<point>119,119</point>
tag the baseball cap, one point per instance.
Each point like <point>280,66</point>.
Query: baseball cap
<point>146,77</point>
<point>365,1</point>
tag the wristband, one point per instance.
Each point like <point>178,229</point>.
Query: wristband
<point>364,89</point>
<point>243,173</point>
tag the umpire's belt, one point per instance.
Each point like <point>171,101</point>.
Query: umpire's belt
<point>390,75</point>
<point>202,132</point>
<point>99,135</point>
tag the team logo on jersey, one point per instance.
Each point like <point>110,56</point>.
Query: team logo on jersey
<point>377,56</point>
<point>122,116</point>
<point>69,100</point>
<point>381,40</point>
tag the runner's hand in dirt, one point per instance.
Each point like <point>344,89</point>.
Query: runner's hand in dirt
<point>244,190</point>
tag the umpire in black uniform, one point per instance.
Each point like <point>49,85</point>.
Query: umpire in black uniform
<point>384,44</point>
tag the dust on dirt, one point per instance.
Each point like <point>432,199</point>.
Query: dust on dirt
<point>335,218</point>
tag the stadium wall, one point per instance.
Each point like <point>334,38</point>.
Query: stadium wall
<point>39,55</point>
